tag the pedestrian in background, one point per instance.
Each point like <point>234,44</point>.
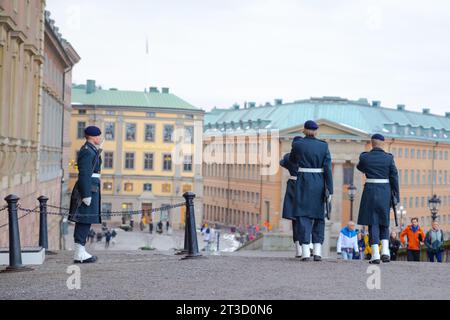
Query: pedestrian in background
<point>107,238</point>
<point>207,238</point>
<point>361,246</point>
<point>415,236</point>
<point>434,241</point>
<point>347,244</point>
<point>394,245</point>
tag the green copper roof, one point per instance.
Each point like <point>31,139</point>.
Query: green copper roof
<point>359,115</point>
<point>116,98</point>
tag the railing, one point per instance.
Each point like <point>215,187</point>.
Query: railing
<point>402,254</point>
<point>13,207</point>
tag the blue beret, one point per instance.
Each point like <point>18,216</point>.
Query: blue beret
<point>378,137</point>
<point>311,125</point>
<point>92,131</point>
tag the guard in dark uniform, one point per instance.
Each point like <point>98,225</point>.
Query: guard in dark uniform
<point>381,184</point>
<point>289,200</point>
<point>314,175</point>
<point>89,166</point>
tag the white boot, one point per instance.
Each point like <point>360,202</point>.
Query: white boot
<point>306,253</point>
<point>81,255</point>
<point>375,254</point>
<point>298,249</point>
<point>317,252</point>
<point>385,253</point>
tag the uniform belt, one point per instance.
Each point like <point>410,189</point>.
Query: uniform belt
<point>310,170</point>
<point>96,175</point>
<point>292,178</point>
<point>377,181</point>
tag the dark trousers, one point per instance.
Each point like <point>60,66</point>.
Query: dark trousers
<point>296,229</point>
<point>433,254</point>
<point>311,227</point>
<point>378,233</point>
<point>81,233</point>
<point>413,255</point>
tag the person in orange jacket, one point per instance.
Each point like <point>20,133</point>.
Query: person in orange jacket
<point>415,236</point>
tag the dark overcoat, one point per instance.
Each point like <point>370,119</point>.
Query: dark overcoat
<point>289,197</point>
<point>312,153</point>
<point>376,199</point>
<point>88,186</point>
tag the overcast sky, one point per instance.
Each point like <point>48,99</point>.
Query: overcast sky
<point>215,53</point>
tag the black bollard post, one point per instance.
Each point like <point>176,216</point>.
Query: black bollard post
<point>193,251</point>
<point>15,251</point>
<point>43,231</point>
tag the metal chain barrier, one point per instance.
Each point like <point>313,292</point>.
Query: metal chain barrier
<point>103,214</point>
<point>4,208</point>
<point>28,212</point>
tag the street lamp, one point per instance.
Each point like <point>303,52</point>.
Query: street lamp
<point>351,196</point>
<point>433,204</point>
<point>402,213</point>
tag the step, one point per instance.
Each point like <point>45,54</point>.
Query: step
<point>30,256</point>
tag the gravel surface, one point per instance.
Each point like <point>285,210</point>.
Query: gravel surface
<point>277,276</point>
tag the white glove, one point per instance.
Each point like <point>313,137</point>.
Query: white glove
<point>87,201</point>
<point>330,197</point>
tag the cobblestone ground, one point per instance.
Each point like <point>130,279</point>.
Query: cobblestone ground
<point>161,275</point>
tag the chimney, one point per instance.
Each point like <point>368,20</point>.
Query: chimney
<point>401,107</point>
<point>252,104</point>
<point>90,86</point>
<point>154,90</point>
<point>426,111</point>
<point>236,106</point>
<point>447,114</point>
<point>165,90</point>
<point>278,102</point>
<point>376,104</point>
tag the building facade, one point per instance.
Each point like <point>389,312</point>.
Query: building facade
<point>236,193</point>
<point>152,151</point>
<point>29,164</point>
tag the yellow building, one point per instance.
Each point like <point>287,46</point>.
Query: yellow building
<point>152,153</point>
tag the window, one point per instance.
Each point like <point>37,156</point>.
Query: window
<point>80,130</point>
<point>148,161</point>
<point>411,202</point>
<point>189,135</point>
<point>406,177</point>
<point>189,116</point>
<point>110,113</point>
<point>400,152</point>
<point>150,115</point>
<point>149,132</point>
<point>166,187</point>
<point>107,186</point>
<point>167,162</point>
<point>424,154</point>
<point>106,209</point>
<point>417,202</point>
<point>82,111</point>
<point>147,187</point>
<point>446,155</point>
<point>400,176</point>
<point>129,160</point>
<point>168,133</point>
<point>187,188</point>
<point>418,154</point>
<point>418,177</point>
<point>412,177</point>
<point>131,132</point>
<point>187,164</point>
<point>406,152</point>
<point>422,202</point>
<point>394,152</point>
<point>108,161</point>
<point>109,131</point>
<point>413,153</point>
<point>128,187</point>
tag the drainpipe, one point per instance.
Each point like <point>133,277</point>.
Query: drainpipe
<point>62,244</point>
